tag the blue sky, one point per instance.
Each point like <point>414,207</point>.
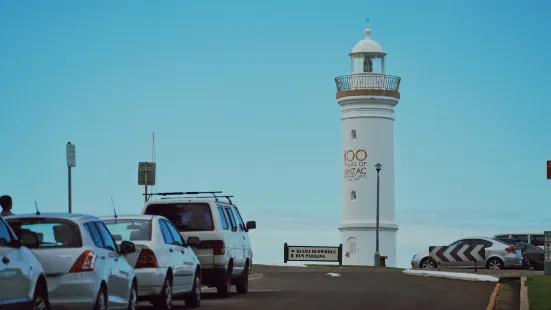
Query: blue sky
<point>241,97</point>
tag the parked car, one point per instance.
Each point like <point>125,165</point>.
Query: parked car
<point>537,239</point>
<point>224,248</point>
<point>499,255</point>
<point>533,256</point>
<point>84,267</point>
<point>23,282</point>
<point>164,262</point>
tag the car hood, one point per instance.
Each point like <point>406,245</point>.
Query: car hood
<point>421,254</point>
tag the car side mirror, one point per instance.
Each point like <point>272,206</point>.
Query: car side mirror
<point>16,243</point>
<point>193,241</point>
<point>251,225</point>
<point>127,247</point>
<point>29,239</point>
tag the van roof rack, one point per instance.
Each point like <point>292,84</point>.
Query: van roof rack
<point>213,193</point>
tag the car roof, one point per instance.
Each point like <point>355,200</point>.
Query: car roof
<point>130,217</point>
<point>521,233</point>
<point>67,216</point>
<point>186,199</point>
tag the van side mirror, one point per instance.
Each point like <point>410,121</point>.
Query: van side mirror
<point>251,225</point>
<point>193,241</point>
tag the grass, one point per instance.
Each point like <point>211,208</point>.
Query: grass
<point>351,266</point>
<point>539,292</point>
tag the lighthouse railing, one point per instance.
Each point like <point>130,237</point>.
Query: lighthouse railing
<point>359,81</point>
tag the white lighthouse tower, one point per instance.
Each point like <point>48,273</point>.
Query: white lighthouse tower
<point>368,97</point>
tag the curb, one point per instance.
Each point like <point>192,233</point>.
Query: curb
<point>451,275</point>
<point>493,297</point>
<point>524,302</point>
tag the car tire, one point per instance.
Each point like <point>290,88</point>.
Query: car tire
<point>40,298</point>
<point>193,299</point>
<point>428,263</point>
<point>494,263</point>
<point>133,298</point>
<point>223,285</point>
<point>101,299</point>
<point>164,300</point>
<point>242,283</point>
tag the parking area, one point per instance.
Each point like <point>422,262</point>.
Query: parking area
<point>301,288</point>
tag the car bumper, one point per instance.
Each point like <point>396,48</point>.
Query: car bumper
<point>73,290</point>
<point>512,261</point>
<point>150,280</point>
<point>416,263</point>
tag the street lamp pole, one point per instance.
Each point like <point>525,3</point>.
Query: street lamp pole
<point>377,254</point>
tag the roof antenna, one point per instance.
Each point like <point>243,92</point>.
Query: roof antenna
<point>114,211</point>
<point>36,206</point>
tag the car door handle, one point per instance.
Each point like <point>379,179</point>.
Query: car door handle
<point>5,260</point>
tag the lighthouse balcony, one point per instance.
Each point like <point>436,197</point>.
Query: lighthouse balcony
<point>368,84</point>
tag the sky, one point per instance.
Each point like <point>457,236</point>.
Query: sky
<point>241,97</point>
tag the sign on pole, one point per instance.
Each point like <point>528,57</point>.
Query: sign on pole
<point>71,155</point>
<point>293,253</point>
<point>547,251</point>
<point>146,173</point>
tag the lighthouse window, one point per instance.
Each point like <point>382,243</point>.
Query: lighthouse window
<point>368,65</point>
<point>353,134</point>
<point>353,195</point>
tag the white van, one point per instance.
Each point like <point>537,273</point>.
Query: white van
<point>537,239</point>
<point>224,248</point>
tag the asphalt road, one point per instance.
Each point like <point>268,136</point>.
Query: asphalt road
<point>298,288</point>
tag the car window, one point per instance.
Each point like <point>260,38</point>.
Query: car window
<point>458,242</point>
<point>95,234</point>
<point>51,232</point>
<point>480,241</point>
<point>106,236</point>
<point>223,219</point>
<point>239,219</point>
<point>129,229</point>
<point>232,219</point>
<point>175,234</point>
<point>188,216</point>
<point>5,236</point>
<point>537,240</point>
<point>165,232</point>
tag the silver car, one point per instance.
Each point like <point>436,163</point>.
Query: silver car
<point>84,267</point>
<point>22,278</point>
<point>164,263</point>
<point>499,255</point>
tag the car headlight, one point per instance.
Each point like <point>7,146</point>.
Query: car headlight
<point>414,256</point>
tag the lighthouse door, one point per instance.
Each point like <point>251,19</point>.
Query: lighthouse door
<point>352,251</point>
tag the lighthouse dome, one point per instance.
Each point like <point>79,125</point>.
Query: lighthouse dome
<point>367,45</point>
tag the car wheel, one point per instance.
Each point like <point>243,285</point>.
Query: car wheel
<point>428,263</point>
<point>101,299</point>
<point>40,298</point>
<point>223,287</point>
<point>193,299</point>
<point>133,298</point>
<point>494,264</point>
<point>242,284</point>
<point>164,300</point>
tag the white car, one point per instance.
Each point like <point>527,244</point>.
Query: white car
<point>84,267</point>
<point>164,263</point>
<point>22,279</point>
<point>224,247</point>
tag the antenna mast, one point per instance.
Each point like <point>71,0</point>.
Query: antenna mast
<point>113,204</point>
<point>36,206</point>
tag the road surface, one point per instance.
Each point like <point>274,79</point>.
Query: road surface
<point>300,288</point>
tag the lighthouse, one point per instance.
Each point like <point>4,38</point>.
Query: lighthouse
<point>367,98</point>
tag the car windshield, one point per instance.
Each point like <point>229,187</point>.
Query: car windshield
<point>51,232</point>
<point>129,229</point>
<point>185,216</point>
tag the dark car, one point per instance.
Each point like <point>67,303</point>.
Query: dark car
<point>533,256</point>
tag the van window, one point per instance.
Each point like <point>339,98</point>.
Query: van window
<point>537,240</point>
<point>223,220</point>
<point>523,238</point>
<point>239,219</point>
<point>187,216</point>
<point>232,219</point>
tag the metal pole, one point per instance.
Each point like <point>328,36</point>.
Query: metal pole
<point>377,254</point>
<point>69,183</point>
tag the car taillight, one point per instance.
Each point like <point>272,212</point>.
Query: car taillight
<point>85,262</point>
<point>218,247</point>
<point>147,259</point>
<point>510,249</point>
